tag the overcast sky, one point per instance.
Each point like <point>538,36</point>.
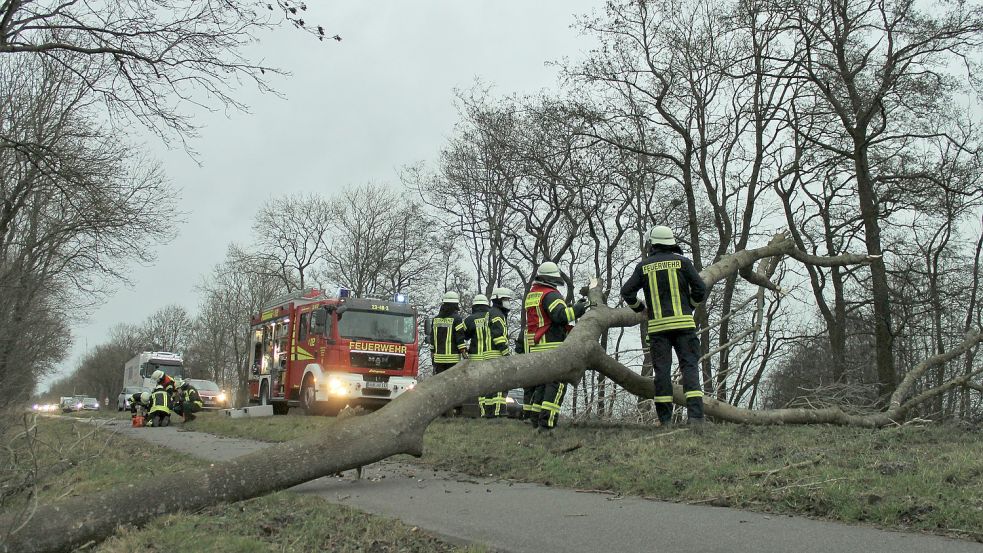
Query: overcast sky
<point>353,112</point>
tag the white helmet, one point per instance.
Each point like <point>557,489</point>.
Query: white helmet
<point>480,299</point>
<point>662,235</point>
<point>145,397</point>
<point>158,374</point>
<point>178,382</point>
<point>451,297</point>
<point>501,294</point>
<point>548,269</point>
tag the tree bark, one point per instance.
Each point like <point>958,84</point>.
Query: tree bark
<point>399,427</point>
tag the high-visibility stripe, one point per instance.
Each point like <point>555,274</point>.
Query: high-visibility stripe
<point>662,399</point>
<point>654,292</point>
<point>694,393</point>
<point>671,323</point>
<point>571,314</point>
<point>555,303</point>
<point>634,304</point>
<point>446,358</point>
<point>500,340</point>
<point>677,305</point>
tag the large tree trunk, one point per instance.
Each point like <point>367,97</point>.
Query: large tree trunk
<point>399,427</point>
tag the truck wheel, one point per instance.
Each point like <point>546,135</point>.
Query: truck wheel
<point>280,407</point>
<point>264,394</point>
<point>308,399</point>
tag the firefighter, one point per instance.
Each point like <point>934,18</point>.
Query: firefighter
<point>163,380</point>
<point>188,400</point>
<point>548,320</point>
<point>672,288</point>
<point>139,403</point>
<point>485,340</point>
<point>446,342</point>
<point>499,313</point>
<point>527,393</point>
<point>160,407</point>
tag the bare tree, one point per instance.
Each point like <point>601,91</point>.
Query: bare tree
<point>291,235</point>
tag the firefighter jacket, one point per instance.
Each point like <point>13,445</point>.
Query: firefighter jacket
<point>191,398</point>
<point>500,318</point>
<point>160,401</point>
<point>136,403</point>
<point>548,317</point>
<point>446,341</point>
<point>166,382</point>
<point>486,340</point>
<point>672,287</point>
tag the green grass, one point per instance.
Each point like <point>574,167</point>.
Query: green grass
<point>78,458</point>
<point>265,429</point>
<point>280,522</point>
<point>926,479</point>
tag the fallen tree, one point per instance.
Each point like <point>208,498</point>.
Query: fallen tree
<point>399,428</point>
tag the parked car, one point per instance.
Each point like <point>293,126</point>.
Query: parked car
<point>67,404</point>
<point>90,404</point>
<point>513,405</point>
<point>212,396</point>
<point>123,400</point>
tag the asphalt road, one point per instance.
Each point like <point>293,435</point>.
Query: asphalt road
<point>517,517</point>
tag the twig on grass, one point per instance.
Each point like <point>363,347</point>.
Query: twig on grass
<point>769,473</point>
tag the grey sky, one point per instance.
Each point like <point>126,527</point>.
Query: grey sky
<point>354,112</point>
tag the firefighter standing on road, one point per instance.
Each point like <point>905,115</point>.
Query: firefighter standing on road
<point>672,288</point>
<point>485,340</point>
<point>446,342</point>
<point>548,320</point>
<point>494,405</point>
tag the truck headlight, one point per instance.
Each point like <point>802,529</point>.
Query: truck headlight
<point>221,397</point>
<point>336,387</point>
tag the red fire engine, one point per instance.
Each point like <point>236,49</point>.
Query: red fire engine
<point>322,353</point>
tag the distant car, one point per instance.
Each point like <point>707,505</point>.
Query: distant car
<point>123,400</point>
<point>90,404</point>
<point>67,404</point>
<point>513,405</point>
<point>212,396</point>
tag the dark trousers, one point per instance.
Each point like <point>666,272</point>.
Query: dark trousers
<point>527,407</point>
<point>548,398</point>
<point>437,369</point>
<point>686,344</point>
<point>492,406</point>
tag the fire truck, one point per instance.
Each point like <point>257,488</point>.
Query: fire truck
<point>321,353</point>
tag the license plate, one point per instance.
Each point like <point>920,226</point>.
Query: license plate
<point>375,384</point>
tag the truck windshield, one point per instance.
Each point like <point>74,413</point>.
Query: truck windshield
<point>173,371</point>
<point>376,325</point>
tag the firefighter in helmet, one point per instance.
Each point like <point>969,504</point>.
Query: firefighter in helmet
<point>163,380</point>
<point>548,320</point>
<point>160,407</point>
<point>672,288</point>
<point>446,342</point>
<point>187,401</point>
<point>139,403</point>
<point>493,406</point>
<point>485,340</point>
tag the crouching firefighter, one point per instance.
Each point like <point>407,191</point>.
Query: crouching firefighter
<point>672,288</point>
<point>485,340</point>
<point>548,320</point>
<point>139,404</point>
<point>160,407</point>
<point>188,400</point>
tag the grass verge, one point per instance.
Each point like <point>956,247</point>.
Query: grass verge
<point>77,458</point>
<point>927,478</point>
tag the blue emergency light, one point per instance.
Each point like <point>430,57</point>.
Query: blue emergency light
<point>344,293</point>
<point>399,298</point>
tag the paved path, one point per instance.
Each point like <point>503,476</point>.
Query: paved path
<point>518,517</point>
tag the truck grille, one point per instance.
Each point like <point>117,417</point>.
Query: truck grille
<point>377,361</point>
